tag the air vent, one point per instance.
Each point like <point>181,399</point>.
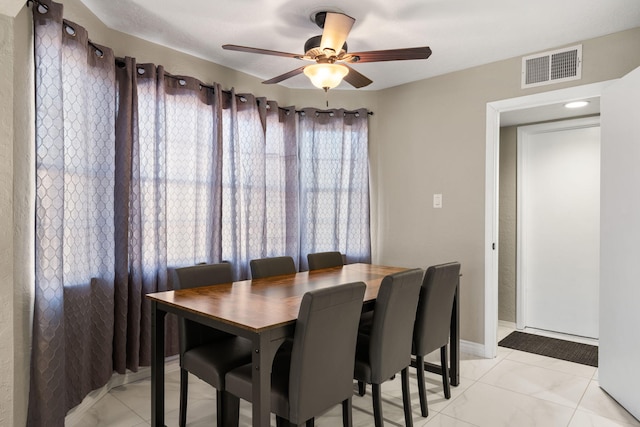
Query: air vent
<point>552,67</point>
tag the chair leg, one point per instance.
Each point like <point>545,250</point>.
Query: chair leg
<point>445,372</point>
<point>281,422</point>
<point>406,398</point>
<point>228,409</point>
<point>184,385</point>
<point>311,422</point>
<point>422,390</point>
<point>377,405</point>
<point>347,413</point>
<point>362,388</point>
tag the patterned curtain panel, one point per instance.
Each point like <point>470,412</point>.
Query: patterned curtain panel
<point>75,148</point>
<point>174,210</point>
<point>259,182</point>
<point>334,183</point>
<point>128,183</point>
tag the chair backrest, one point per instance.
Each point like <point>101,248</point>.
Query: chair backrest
<point>324,260</point>
<point>202,275</point>
<point>392,328</point>
<point>193,334</point>
<point>433,319</point>
<point>323,353</point>
<point>276,266</point>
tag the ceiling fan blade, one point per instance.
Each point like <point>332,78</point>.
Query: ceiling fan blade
<point>260,51</point>
<point>336,29</point>
<point>356,79</point>
<point>391,55</point>
<point>284,76</point>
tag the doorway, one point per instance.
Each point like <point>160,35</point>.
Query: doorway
<point>494,111</point>
<point>558,226</point>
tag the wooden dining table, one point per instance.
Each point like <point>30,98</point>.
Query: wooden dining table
<point>263,311</point>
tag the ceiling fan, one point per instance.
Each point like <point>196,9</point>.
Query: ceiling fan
<point>329,52</point>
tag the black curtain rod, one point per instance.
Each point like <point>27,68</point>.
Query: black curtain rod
<point>243,99</point>
<point>370,113</point>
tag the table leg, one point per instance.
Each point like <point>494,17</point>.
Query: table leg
<point>454,356</point>
<point>157,365</point>
<point>265,346</point>
<point>261,379</point>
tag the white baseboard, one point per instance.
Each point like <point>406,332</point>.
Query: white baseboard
<point>472,348</point>
<point>507,324</point>
<point>75,414</point>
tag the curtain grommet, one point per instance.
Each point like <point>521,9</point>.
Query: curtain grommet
<point>69,30</point>
<point>43,9</point>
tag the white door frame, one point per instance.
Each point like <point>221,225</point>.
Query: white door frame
<point>494,109</point>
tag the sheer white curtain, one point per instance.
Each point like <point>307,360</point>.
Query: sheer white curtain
<point>259,182</point>
<point>334,183</point>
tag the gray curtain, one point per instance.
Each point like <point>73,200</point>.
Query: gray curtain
<point>260,183</point>
<point>173,200</point>
<point>73,315</point>
<point>334,183</point>
<point>127,183</point>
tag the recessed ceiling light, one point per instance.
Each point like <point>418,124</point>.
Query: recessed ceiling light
<point>577,104</point>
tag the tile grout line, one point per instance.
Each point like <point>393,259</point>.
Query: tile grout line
<point>552,369</point>
<point>534,397</point>
<point>580,401</point>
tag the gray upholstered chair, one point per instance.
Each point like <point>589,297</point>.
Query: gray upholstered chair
<point>433,320</point>
<point>314,372</point>
<point>384,346</point>
<point>209,353</point>
<point>275,266</point>
<point>320,260</point>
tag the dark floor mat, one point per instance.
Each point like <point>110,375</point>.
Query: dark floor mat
<point>552,347</point>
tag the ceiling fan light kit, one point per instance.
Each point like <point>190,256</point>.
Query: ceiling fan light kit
<point>329,52</point>
<point>326,76</point>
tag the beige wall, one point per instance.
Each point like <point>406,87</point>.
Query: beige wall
<point>23,208</point>
<point>6,219</point>
<point>507,239</point>
<point>16,225</point>
<point>426,137</point>
<point>431,139</point>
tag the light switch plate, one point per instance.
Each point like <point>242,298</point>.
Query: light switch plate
<point>437,201</point>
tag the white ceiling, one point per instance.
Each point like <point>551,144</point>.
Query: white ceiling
<point>461,33</point>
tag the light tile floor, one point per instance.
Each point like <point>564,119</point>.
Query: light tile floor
<point>514,389</point>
